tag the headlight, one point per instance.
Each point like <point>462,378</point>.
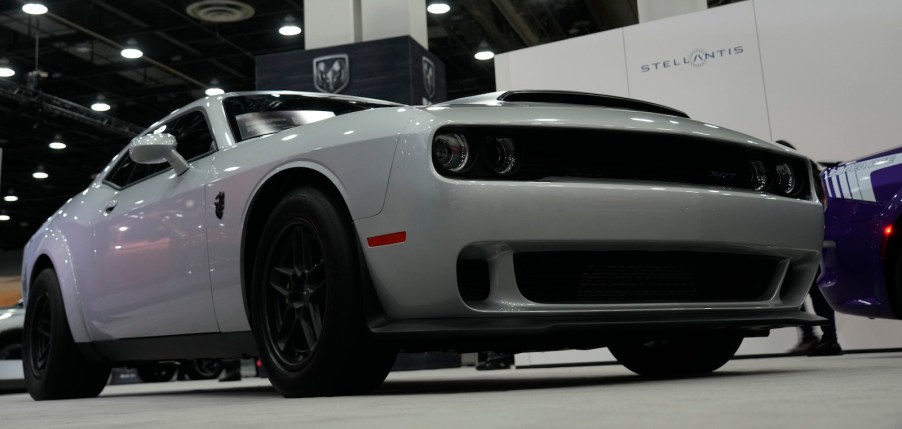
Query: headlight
<point>452,152</point>
<point>757,175</point>
<point>501,154</point>
<point>786,179</point>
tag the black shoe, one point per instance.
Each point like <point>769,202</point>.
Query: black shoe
<point>804,347</point>
<point>827,347</point>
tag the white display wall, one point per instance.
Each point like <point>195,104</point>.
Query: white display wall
<point>822,74</point>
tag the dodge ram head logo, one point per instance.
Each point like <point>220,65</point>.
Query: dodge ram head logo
<point>331,73</point>
<point>429,77</point>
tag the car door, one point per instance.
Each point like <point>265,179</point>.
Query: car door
<point>150,244</point>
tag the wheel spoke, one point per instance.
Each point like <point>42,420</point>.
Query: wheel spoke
<point>307,326</point>
<point>279,288</point>
<point>301,247</point>
<point>288,319</point>
<point>317,319</point>
<point>285,341</point>
<point>43,328</point>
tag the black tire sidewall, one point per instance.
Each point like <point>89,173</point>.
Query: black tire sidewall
<point>678,356</point>
<point>67,374</point>
<point>342,335</point>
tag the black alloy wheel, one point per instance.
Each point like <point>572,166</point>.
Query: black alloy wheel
<point>54,366</point>
<point>296,296</point>
<point>306,301</point>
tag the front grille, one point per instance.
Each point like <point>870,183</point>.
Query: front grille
<point>631,156</point>
<point>641,277</point>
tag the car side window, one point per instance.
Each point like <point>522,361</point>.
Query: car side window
<point>194,141</point>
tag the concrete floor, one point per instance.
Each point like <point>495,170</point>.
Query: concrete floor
<point>851,391</point>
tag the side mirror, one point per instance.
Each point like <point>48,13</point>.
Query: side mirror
<point>157,148</point>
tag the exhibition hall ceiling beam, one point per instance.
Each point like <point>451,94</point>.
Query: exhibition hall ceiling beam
<point>510,13</point>
<point>482,14</point>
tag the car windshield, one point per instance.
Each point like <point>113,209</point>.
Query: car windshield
<point>256,115</point>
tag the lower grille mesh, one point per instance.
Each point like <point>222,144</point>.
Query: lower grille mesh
<point>636,277</point>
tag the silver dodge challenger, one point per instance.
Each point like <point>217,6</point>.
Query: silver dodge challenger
<point>325,233</point>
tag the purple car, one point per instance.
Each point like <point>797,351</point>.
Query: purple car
<point>862,255</point>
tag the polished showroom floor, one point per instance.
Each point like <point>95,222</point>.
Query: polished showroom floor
<point>851,391</point>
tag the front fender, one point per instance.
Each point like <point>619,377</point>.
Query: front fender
<point>52,243</point>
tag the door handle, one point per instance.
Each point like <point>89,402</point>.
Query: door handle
<point>110,205</point>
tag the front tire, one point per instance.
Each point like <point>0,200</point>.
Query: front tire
<point>306,301</point>
<point>679,356</point>
<point>54,367</point>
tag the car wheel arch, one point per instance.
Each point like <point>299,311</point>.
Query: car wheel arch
<point>49,255</point>
<point>266,197</point>
<point>891,263</point>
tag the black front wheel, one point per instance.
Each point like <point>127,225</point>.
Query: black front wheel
<point>54,366</point>
<point>306,302</point>
<point>678,356</point>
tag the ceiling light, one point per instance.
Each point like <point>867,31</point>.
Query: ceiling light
<point>10,197</point>
<point>4,217</point>
<point>214,88</point>
<point>40,173</point>
<point>438,8</point>
<point>100,105</point>
<point>131,50</point>
<point>34,8</point>
<point>5,70</point>
<point>484,52</point>
<point>289,27</point>
<point>57,143</point>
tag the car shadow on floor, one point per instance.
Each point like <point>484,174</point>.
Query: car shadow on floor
<point>500,384</point>
<point>475,385</point>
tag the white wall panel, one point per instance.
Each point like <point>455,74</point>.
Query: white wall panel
<point>825,77</point>
<point>706,64</point>
<point>832,72</point>
<point>593,63</point>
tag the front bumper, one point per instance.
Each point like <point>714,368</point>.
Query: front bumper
<point>516,334</point>
<point>447,219</point>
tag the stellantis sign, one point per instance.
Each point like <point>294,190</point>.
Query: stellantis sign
<point>696,58</point>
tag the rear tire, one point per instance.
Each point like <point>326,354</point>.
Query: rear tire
<point>156,372</point>
<point>54,367</point>
<point>11,351</point>
<point>306,302</point>
<point>679,356</point>
<point>203,369</point>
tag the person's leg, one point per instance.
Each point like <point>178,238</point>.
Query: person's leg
<point>822,308</point>
<point>828,346</point>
